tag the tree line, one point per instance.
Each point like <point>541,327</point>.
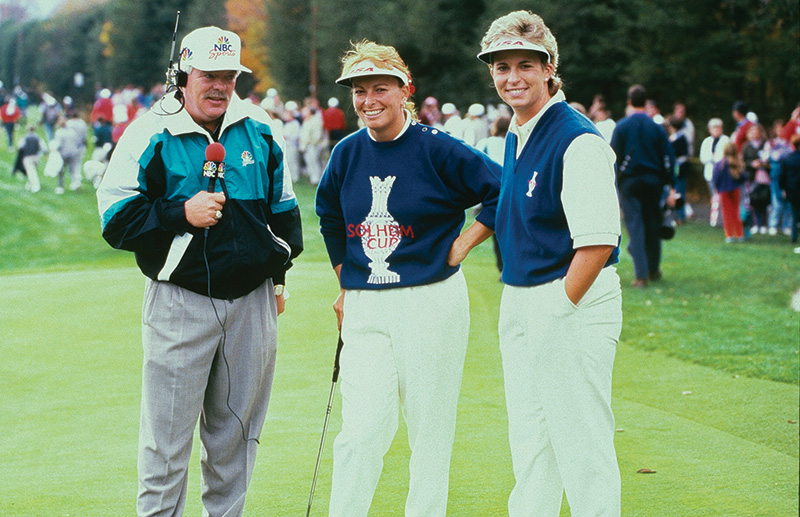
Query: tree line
<point>705,53</point>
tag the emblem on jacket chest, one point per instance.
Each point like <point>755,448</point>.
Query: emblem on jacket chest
<point>532,184</point>
<point>381,234</point>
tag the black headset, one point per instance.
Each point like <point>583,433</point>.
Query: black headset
<point>181,77</point>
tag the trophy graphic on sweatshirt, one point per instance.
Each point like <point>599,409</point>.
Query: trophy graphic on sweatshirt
<point>381,233</point>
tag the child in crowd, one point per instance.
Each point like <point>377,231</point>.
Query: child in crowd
<point>757,167</point>
<point>728,178</point>
<point>711,153</point>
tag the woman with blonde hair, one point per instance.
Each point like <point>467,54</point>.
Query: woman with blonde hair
<point>558,225</point>
<point>392,206</point>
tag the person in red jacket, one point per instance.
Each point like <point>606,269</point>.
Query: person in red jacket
<point>103,107</point>
<point>793,126</point>
<point>10,114</point>
<point>333,122</point>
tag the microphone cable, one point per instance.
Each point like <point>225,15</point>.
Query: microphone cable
<point>161,111</point>
<point>224,332</point>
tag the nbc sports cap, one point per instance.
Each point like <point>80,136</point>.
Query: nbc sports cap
<point>367,68</point>
<point>511,43</point>
<point>211,49</point>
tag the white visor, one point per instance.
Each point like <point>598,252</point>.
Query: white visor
<point>367,68</point>
<point>511,43</point>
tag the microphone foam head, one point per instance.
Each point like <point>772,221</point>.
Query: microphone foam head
<point>215,152</point>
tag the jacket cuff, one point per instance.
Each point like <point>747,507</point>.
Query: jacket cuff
<point>172,216</point>
<point>279,279</point>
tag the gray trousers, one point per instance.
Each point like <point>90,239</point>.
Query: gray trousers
<point>185,376</point>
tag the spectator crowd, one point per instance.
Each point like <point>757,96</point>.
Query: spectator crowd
<point>752,187</point>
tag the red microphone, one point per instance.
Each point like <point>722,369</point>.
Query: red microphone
<point>214,166</point>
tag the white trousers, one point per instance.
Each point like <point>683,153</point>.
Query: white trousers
<point>29,163</point>
<point>312,157</point>
<point>557,364</point>
<point>403,349</point>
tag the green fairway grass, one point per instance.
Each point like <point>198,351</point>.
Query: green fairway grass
<point>705,381</point>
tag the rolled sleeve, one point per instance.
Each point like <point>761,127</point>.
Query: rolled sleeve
<point>589,193</point>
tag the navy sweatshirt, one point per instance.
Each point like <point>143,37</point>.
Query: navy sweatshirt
<point>390,211</point>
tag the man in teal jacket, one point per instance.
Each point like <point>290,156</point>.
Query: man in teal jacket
<point>215,253</point>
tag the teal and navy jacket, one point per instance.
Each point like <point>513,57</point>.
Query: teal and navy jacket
<point>158,165</point>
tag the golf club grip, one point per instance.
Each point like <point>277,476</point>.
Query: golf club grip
<point>339,346</point>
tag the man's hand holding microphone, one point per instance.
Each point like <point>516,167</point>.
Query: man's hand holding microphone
<point>204,209</point>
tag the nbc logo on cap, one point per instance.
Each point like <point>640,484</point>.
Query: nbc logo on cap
<point>211,49</point>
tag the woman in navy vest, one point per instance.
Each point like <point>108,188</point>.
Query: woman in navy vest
<point>558,224</point>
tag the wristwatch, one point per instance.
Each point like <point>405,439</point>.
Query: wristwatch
<point>279,290</point>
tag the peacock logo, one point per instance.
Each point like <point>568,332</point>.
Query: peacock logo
<point>223,44</point>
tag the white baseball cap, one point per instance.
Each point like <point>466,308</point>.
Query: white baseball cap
<point>511,43</point>
<point>211,49</point>
<point>477,110</point>
<point>367,68</point>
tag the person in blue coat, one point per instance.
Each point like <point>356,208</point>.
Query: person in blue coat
<point>558,225</point>
<point>392,207</point>
<point>645,163</point>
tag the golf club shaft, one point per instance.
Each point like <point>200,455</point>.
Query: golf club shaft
<point>321,446</point>
<point>335,377</point>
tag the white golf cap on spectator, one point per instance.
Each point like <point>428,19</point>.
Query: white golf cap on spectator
<point>477,110</point>
<point>367,68</point>
<point>511,43</point>
<point>448,108</point>
<point>212,49</point>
